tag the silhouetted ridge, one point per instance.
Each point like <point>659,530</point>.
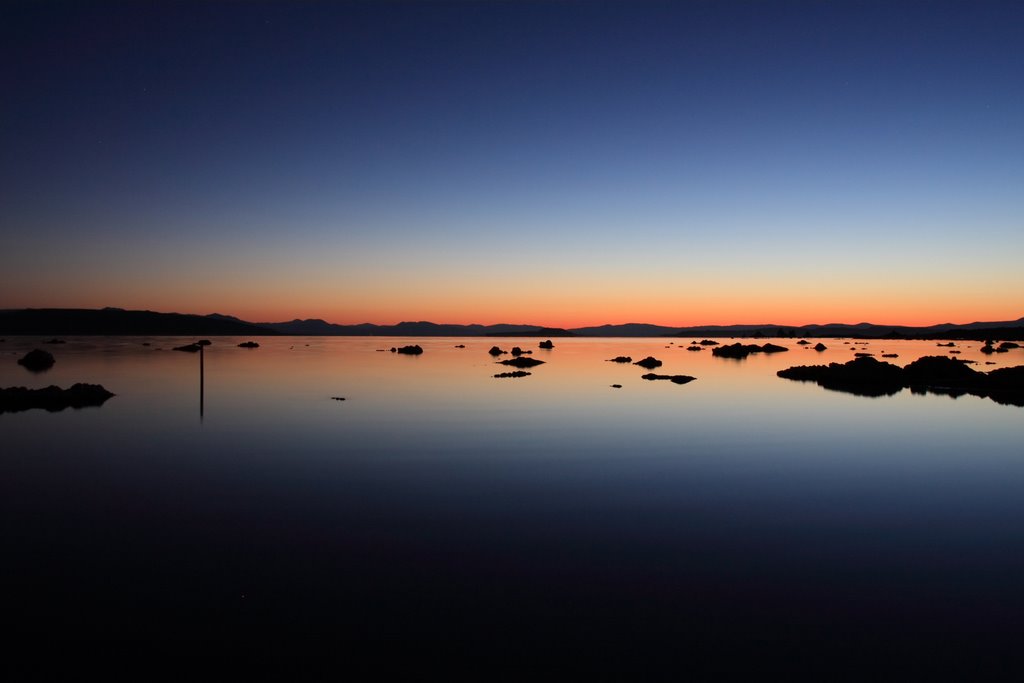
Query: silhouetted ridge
<point>110,321</point>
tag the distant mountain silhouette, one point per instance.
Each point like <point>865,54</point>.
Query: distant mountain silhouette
<point>65,321</point>
<point>116,321</point>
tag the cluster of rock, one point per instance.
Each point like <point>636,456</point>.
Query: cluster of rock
<point>249,345</point>
<point>52,398</point>
<point>516,373</point>
<point>867,376</point>
<point>521,362</point>
<point>990,347</point>
<point>676,379</point>
<point>649,363</point>
<point>738,350</point>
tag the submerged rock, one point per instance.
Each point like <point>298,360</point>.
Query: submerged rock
<point>649,363</point>
<point>675,379</point>
<point>621,359</point>
<point>890,355</point>
<point>517,373</point>
<point>820,347</point>
<point>337,398</point>
<point>412,350</point>
<point>248,345</point>
<point>495,351</point>
<point>694,348</point>
<point>616,386</point>
<point>708,342</point>
<point>37,360</point>
<point>55,341</point>
<point>1006,346</point>
<point>521,362</point>
<point>803,342</point>
<point>204,342</point>
<point>460,346</point>
<point>546,344</point>
<point>188,348</point>
<point>52,398</point>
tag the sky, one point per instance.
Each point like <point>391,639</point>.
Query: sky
<point>554,163</point>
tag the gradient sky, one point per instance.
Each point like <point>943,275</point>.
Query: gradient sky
<point>562,163</point>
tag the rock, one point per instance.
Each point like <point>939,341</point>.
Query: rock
<point>52,398</point>
<point>862,354</point>
<point>649,363</point>
<point>517,373</point>
<point>616,386</point>
<point>954,351</point>
<point>1006,346</point>
<point>820,347</point>
<point>621,359</point>
<point>803,342</point>
<point>949,344</point>
<point>988,348</point>
<point>863,376</point>
<point>337,398</point>
<point>204,342</point>
<point>738,350</point>
<point>188,348</point>
<point>1006,386</point>
<point>516,351</point>
<point>522,362</point>
<point>708,342</point>
<point>145,343</point>
<point>460,346</point>
<point>249,345</point>
<point>413,350</point>
<point>694,348</point>
<point>890,355</point>
<point>939,374</point>
<point>546,344</point>
<point>55,341</point>
<point>37,360</point>
<point>495,351</point>
<point>676,379</point>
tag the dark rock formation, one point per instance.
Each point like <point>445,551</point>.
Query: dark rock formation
<point>460,346</point>
<point>516,351</point>
<point>948,344</point>
<point>708,342</point>
<point>413,350</point>
<point>738,350</point>
<point>249,345</point>
<point>649,363</point>
<point>862,354</point>
<point>521,362</point>
<point>188,348</point>
<point>694,348</point>
<point>862,376</point>
<point>616,386</point>
<point>517,373</point>
<point>546,344</point>
<point>820,347</point>
<point>204,342</point>
<point>803,342</point>
<point>37,360</point>
<point>621,359</point>
<point>495,351</point>
<point>1006,346</point>
<point>337,398</point>
<point>676,379</point>
<point>930,374</point>
<point>890,355</point>
<point>55,341</point>
<point>52,398</point>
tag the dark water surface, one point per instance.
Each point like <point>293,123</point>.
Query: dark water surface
<point>437,505</point>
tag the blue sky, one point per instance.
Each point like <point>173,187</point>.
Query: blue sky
<point>387,161</point>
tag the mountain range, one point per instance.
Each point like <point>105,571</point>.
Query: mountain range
<point>116,321</point>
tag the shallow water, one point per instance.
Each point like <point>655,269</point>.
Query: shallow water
<point>439,503</point>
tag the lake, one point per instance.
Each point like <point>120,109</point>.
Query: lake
<point>437,504</point>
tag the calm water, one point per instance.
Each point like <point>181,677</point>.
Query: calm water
<point>438,504</point>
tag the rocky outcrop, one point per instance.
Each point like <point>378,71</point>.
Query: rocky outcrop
<point>675,379</point>
<point>931,374</point>
<point>708,342</point>
<point>249,345</point>
<point>738,350</point>
<point>188,348</point>
<point>495,351</point>
<point>694,348</point>
<point>649,363</point>
<point>517,373</point>
<point>413,350</point>
<point>820,347</point>
<point>621,359</point>
<point>516,351</point>
<point>522,362</point>
<point>546,344</point>
<point>52,398</point>
<point>37,360</point>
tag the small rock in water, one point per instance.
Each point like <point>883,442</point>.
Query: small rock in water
<point>337,398</point>
<point>649,363</point>
<point>676,379</point>
<point>522,362</point>
<point>204,342</point>
<point>621,359</point>
<point>616,386</point>
<point>412,350</point>
<point>37,360</point>
<point>55,341</point>
<point>495,351</point>
<point>546,344</point>
<point>188,348</point>
<point>820,347</point>
<point>248,345</point>
<point>517,373</point>
<point>460,346</point>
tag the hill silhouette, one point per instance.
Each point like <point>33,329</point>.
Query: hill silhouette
<point>116,321</point>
